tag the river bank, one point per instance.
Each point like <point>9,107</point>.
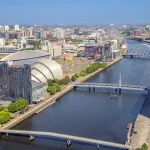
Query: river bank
<point>142,126</point>
<point>51,99</point>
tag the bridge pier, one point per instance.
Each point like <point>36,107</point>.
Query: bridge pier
<point>131,56</point>
<point>68,143</point>
<point>119,90</point>
<point>116,90</point>
<point>89,89</point>
<point>94,89</point>
<point>74,88</point>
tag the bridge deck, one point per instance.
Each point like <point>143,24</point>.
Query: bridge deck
<point>106,85</point>
<point>66,137</point>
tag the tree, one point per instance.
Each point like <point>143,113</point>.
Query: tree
<point>23,102</point>
<point>50,82</point>
<point>56,81</point>
<point>13,108</point>
<point>77,75</point>
<point>2,108</point>
<point>65,81</point>
<point>144,147</point>
<point>4,117</point>
<point>57,86</point>
<point>51,90</point>
<point>74,78</point>
<point>38,44</point>
<point>83,73</point>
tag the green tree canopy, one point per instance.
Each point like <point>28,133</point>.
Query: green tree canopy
<point>13,108</point>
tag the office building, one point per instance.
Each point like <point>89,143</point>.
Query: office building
<point>15,82</point>
<point>16,27</point>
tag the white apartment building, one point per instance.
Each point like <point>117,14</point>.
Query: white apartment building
<point>2,29</point>
<point>45,45</point>
<point>16,27</point>
<point>6,28</point>
<point>2,42</point>
<point>58,33</point>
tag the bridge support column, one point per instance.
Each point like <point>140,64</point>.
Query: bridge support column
<point>116,90</point>
<point>89,89</point>
<point>68,143</point>
<point>119,90</point>
<point>74,88</point>
<point>131,56</point>
<point>97,146</point>
<point>94,89</point>
<point>7,134</point>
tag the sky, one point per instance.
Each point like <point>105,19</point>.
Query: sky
<point>74,12</point>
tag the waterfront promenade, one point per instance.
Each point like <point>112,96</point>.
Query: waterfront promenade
<point>142,126</point>
<point>50,100</point>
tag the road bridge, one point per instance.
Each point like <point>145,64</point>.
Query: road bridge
<point>65,137</point>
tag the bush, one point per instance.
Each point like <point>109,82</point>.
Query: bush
<point>4,117</point>
<point>13,108</point>
<point>22,111</point>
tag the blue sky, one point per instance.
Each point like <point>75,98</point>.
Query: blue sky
<point>91,12</point>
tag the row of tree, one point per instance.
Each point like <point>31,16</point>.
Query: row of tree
<point>54,86</point>
<point>92,68</point>
<point>19,105</point>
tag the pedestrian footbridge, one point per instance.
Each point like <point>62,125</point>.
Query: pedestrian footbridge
<point>68,138</point>
<point>110,86</point>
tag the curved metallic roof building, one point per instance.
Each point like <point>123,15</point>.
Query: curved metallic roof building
<point>27,56</point>
<point>46,69</point>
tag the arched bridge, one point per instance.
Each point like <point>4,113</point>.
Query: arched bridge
<point>139,51</point>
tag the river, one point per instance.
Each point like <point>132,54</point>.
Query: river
<point>93,116</point>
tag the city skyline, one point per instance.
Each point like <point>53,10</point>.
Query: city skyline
<point>48,12</point>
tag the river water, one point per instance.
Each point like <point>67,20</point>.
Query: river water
<point>95,115</point>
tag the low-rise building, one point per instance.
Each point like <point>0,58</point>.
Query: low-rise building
<point>55,50</point>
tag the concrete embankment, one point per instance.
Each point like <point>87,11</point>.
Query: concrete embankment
<point>142,126</point>
<point>50,100</point>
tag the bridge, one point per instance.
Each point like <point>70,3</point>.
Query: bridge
<point>68,138</point>
<point>118,87</point>
<point>142,50</point>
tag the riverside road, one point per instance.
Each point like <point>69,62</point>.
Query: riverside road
<point>86,114</point>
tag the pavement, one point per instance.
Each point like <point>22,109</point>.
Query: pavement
<point>142,126</point>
